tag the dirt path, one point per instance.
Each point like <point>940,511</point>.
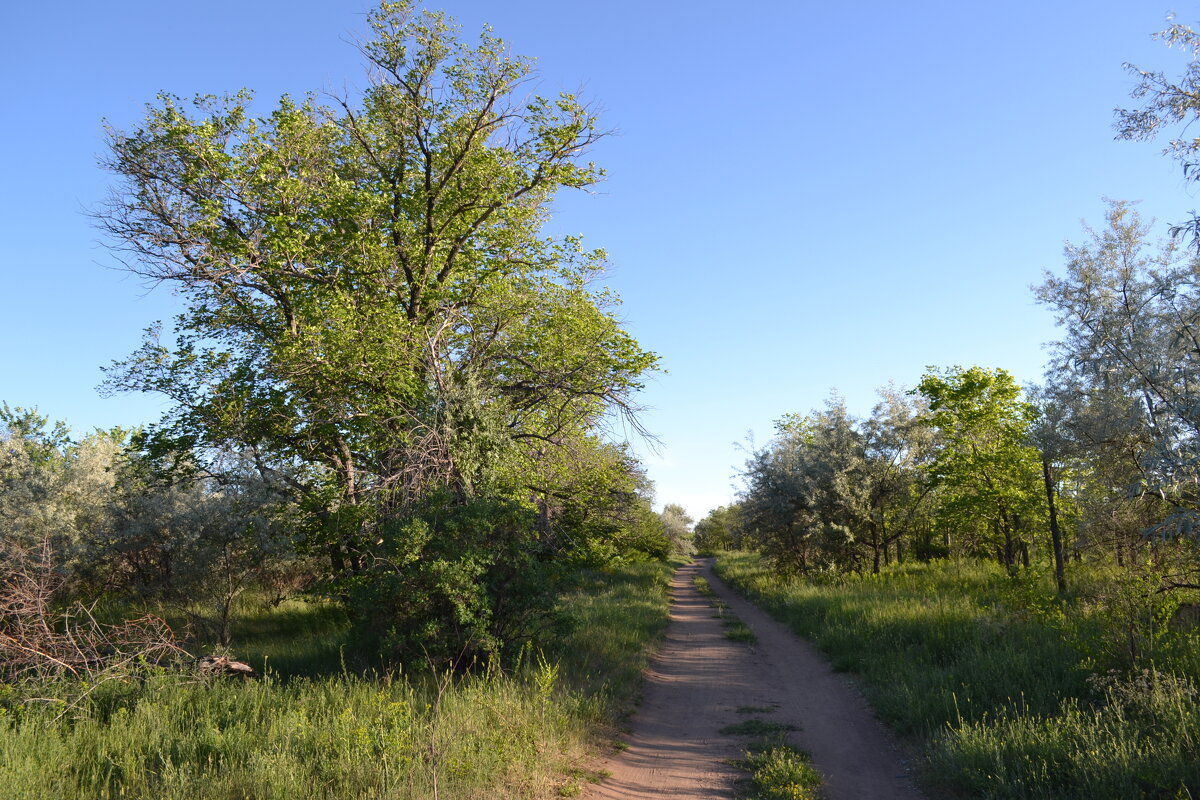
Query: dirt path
<point>699,681</point>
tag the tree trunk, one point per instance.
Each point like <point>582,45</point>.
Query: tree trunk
<point>1009,553</point>
<point>875,547</point>
<point>1055,533</point>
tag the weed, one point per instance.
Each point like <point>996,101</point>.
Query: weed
<point>738,632</point>
<point>782,772</point>
<point>758,728</point>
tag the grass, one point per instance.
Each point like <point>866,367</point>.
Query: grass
<point>530,731</point>
<point>759,728</point>
<point>781,772</point>
<point>777,770</point>
<point>1009,692</point>
<point>735,629</point>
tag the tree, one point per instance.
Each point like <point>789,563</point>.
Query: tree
<point>372,314</point>
<point>1129,312</point>
<point>1049,435</point>
<point>721,529</point>
<point>896,448</point>
<point>367,291</point>
<point>678,527</point>
<point>1169,103</point>
<point>54,491</point>
<point>807,499</point>
<point>1130,317</point>
<point>985,472</point>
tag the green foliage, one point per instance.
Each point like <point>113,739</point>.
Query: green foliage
<point>759,728</point>
<point>831,491</point>
<point>375,321</point>
<point>987,476</point>
<point>720,530</point>
<point>782,773</point>
<point>1134,737</point>
<point>778,771</point>
<point>677,527</point>
<point>453,583</point>
<point>357,276</point>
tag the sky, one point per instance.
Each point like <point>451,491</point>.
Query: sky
<point>801,197</point>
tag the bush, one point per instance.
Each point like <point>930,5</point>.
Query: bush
<point>454,582</point>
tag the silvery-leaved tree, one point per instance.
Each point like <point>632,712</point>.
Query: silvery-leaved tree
<point>1130,352</point>
<point>1169,105</point>
<point>372,312</point>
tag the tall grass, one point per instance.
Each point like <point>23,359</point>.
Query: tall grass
<point>526,732</point>
<point>1007,691</point>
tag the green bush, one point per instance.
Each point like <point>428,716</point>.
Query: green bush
<point>454,583</point>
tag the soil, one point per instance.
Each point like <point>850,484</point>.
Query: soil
<point>702,682</point>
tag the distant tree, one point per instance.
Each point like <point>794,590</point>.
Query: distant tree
<point>896,448</point>
<point>807,497</point>
<point>1050,435</point>
<point>986,474</point>
<point>778,509</point>
<point>678,527</point>
<point>720,529</point>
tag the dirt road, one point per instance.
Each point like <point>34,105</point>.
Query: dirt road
<point>700,680</point>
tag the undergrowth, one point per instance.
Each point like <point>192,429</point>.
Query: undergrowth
<point>315,726</point>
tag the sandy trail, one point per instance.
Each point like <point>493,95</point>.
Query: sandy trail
<point>700,679</point>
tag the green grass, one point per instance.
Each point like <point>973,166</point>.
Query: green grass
<point>1006,689</point>
<point>735,629</point>
<point>301,731</point>
<point>781,772</point>
<point>760,728</point>
<point>777,770</point>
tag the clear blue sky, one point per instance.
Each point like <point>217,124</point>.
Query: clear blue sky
<point>802,196</point>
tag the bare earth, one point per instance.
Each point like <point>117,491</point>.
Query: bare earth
<point>700,679</point>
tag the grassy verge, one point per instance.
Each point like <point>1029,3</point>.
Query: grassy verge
<point>1006,695</point>
<point>529,732</point>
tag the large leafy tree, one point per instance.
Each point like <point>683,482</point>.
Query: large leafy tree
<point>986,474</point>
<point>372,312</point>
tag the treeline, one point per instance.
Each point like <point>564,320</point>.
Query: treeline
<point>1100,462</point>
